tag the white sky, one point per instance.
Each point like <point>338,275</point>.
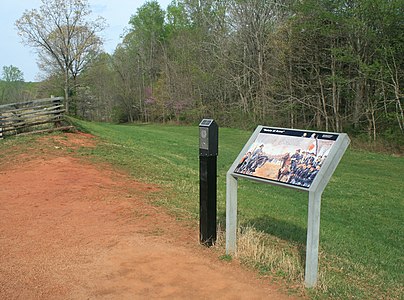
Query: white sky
<point>12,52</point>
<point>279,144</point>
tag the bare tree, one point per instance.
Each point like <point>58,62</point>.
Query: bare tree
<point>63,35</point>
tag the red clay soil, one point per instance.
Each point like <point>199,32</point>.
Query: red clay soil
<point>71,229</point>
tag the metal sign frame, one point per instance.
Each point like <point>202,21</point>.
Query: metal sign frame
<point>315,191</point>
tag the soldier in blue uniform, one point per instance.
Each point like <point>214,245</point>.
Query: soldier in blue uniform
<point>307,181</point>
<point>303,175</point>
<point>257,152</point>
<point>309,159</point>
<point>295,159</point>
<point>295,177</point>
<point>318,161</point>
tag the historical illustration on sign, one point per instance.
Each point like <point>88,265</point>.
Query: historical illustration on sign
<point>289,156</point>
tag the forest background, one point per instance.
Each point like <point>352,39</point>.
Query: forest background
<point>333,65</point>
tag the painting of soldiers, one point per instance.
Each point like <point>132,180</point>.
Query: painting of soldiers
<point>286,156</point>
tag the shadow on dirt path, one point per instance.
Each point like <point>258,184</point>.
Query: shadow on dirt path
<point>70,229</point>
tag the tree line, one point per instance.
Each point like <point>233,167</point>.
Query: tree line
<point>334,65</point>
<point>11,82</point>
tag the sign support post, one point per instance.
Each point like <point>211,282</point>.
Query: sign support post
<point>231,214</point>
<point>313,239</point>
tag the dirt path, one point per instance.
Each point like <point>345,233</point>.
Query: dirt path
<point>74,230</point>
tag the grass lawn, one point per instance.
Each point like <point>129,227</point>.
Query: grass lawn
<point>361,241</point>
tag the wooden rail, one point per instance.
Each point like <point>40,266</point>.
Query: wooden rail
<point>32,116</point>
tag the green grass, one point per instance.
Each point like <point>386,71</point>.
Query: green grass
<point>361,242</point>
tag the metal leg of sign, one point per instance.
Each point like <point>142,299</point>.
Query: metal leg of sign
<point>231,214</point>
<point>313,233</point>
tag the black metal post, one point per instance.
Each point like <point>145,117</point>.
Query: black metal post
<point>208,151</point>
<point>208,199</point>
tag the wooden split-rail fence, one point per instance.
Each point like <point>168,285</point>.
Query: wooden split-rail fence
<point>36,116</point>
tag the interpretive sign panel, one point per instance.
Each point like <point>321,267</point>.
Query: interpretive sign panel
<point>288,156</point>
<point>298,159</point>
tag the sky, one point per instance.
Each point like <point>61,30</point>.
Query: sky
<point>12,52</point>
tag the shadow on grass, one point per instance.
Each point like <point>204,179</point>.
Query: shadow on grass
<point>285,231</point>
<point>281,229</point>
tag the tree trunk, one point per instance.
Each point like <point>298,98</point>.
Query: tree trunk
<point>66,90</point>
<point>335,96</point>
<point>324,103</point>
<point>290,86</point>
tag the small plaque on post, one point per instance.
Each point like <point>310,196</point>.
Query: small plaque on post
<point>208,138</point>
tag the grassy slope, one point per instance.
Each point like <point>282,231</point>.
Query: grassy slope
<point>362,207</point>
